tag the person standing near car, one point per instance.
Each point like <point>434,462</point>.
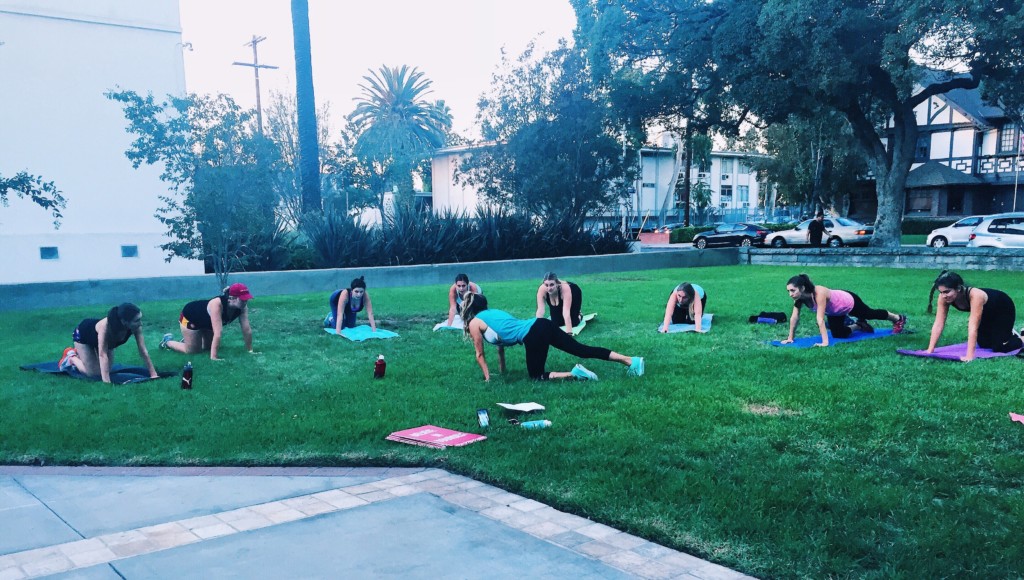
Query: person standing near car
<point>816,230</point>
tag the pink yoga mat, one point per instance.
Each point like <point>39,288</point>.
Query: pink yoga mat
<point>955,351</point>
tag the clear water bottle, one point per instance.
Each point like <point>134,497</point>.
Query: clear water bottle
<point>379,367</point>
<point>542,424</point>
<point>186,377</point>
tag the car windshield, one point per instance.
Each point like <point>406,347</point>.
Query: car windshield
<point>848,222</point>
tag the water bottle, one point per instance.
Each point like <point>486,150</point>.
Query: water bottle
<point>186,377</point>
<point>542,424</point>
<point>379,367</point>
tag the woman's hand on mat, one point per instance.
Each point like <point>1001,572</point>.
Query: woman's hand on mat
<point>821,344</point>
<point>787,341</point>
<point>255,352</point>
<point>966,358</point>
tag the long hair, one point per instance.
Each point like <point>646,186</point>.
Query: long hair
<point>687,289</point>
<point>462,278</point>
<point>947,279</point>
<point>472,305</point>
<point>552,276</point>
<point>119,319</point>
<point>359,282</point>
<point>802,281</point>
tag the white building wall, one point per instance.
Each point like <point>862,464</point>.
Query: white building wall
<point>963,143</point>
<point>58,59</point>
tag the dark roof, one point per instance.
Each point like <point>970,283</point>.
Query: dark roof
<point>968,101</point>
<point>935,174</point>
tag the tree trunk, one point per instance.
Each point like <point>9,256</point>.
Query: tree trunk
<point>688,143</point>
<point>891,180</point>
<point>309,149</point>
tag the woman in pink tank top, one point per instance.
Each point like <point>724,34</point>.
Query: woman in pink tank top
<point>836,306</point>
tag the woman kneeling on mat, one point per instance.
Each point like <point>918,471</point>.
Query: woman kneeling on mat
<point>990,324</point>
<point>538,336</point>
<point>349,302</point>
<point>685,306</point>
<point>96,339</point>
<point>836,305</point>
<point>564,299</point>
<point>202,322</point>
<point>456,293</point>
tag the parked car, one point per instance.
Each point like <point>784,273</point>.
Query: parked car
<point>956,234</point>
<point>667,228</point>
<point>1002,230</point>
<point>841,232</point>
<point>738,234</point>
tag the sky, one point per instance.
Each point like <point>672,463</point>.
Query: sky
<point>457,44</point>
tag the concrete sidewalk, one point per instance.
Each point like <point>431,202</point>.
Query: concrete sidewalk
<point>87,522</point>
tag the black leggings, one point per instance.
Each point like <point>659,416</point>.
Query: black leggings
<point>995,329</point>
<point>543,335</point>
<point>681,314</point>
<point>860,311</point>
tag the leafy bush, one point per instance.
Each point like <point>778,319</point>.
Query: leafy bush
<point>340,241</point>
<point>685,235</point>
<point>924,226</point>
<point>413,236</point>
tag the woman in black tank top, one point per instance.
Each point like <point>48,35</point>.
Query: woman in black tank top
<point>202,322</point>
<point>992,315</point>
<point>95,341</point>
<point>564,299</point>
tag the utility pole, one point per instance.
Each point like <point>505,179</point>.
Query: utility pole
<point>256,66</point>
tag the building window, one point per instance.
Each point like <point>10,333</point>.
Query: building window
<point>1008,138</point>
<point>743,192</point>
<point>726,166</point>
<point>48,253</point>
<point>742,168</point>
<point>725,195</point>
<point>922,152</point>
<point>129,251</point>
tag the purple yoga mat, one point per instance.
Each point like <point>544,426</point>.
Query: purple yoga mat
<point>955,351</point>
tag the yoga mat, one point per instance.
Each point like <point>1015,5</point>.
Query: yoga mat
<point>705,325</point>
<point>955,351</point>
<point>810,341</point>
<point>119,374</point>
<point>456,324</point>
<point>362,332</point>
<point>579,327</point>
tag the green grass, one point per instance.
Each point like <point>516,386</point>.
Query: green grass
<point>848,461</point>
<point>912,239</point>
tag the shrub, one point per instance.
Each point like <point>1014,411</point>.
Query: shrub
<point>924,226</point>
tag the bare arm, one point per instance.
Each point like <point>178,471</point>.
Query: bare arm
<point>452,306</point>
<point>215,311</point>
<point>698,312</point>
<point>369,312</point>
<point>476,332</point>
<point>978,300</point>
<point>540,301</point>
<point>941,312</point>
<point>668,311</point>
<point>144,354</point>
<point>342,305</point>
<point>103,350</point>
<point>243,321</point>
<point>566,292</point>
<point>794,319</point>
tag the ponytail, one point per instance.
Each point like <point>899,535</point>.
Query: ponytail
<point>472,304</point>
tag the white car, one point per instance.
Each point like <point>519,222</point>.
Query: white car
<point>956,234</point>
<point>1002,230</point>
<point>841,232</point>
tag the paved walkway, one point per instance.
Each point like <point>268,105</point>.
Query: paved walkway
<point>111,523</point>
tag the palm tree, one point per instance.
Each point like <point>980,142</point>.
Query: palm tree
<point>398,127</point>
<point>309,151</point>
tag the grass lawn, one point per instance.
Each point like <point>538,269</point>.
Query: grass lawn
<point>849,461</point>
<point>913,239</point>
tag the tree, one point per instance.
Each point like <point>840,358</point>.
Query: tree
<point>554,147</point>
<point>221,172</point>
<point>309,154</point>
<point>864,59</point>
<point>42,193</point>
<point>396,126</point>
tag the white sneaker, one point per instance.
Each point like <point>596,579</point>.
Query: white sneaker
<point>583,374</point>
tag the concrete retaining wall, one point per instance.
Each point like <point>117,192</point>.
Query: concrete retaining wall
<point>905,257</point>
<point>106,292</point>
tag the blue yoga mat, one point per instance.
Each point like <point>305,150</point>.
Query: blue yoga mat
<point>119,373</point>
<point>705,325</point>
<point>362,332</point>
<point>810,341</point>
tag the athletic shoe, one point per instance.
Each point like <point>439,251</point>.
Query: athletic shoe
<point>863,326</point>
<point>899,325</point>
<point>581,373</point>
<point>163,341</point>
<point>636,369</point>
<point>65,359</point>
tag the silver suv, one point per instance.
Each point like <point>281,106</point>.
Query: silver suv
<point>1002,230</point>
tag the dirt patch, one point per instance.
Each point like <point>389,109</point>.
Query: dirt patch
<point>770,410</point>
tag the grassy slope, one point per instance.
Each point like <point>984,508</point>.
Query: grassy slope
<point>874,465</point>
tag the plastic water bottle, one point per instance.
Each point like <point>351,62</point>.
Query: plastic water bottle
<point>186,377</point>
<point>379,367</point>
<point>542,424</point>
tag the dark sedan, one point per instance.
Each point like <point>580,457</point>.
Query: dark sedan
<point>731,235</point>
